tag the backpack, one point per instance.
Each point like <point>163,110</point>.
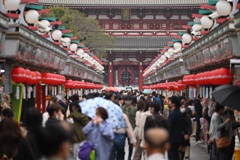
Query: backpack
<point>85,151</point>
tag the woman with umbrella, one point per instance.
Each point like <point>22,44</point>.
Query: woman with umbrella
<point>100,134</point>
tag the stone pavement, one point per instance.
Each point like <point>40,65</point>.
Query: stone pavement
<point>199,151</point>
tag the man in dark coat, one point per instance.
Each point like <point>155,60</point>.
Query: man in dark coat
<point>198,109</point>
<point>175,124</point>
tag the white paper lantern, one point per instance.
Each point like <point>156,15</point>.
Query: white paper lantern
<point>177,45</point>
<point>56,35</point>
<point>86,56</point>
<point>187,38</point>
<point>170,50</point>
<point>80,51</point>
<point>163,58</point>
<point>73,47</point>
<point>11,5</point>
<point>206,22</point>
<point>32,16</point>
<point>45,23</point>
<point>197,27</point>
<point>223,8</point>
<point>167,55</point>
<point>66,41</point>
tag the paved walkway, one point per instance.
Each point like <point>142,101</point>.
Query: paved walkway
<point>198,152</point>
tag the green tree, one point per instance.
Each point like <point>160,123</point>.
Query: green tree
<point>87,30</point>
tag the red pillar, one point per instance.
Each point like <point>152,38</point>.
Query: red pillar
<point>110,74</point>
<point>140,76</point>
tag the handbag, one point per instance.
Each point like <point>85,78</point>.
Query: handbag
<point>87,151</point>
<point>224,140</point>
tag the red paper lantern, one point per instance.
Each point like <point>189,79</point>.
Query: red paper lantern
<point>18,75</point>
<point>38,77</point>
<point>33,78</point>
<point>47,78</point>
<point>222,76</point>
<point>69,84</point>
<point>28,78</point>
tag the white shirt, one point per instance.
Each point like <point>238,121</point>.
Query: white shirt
<point>137,130</point>
<point>45,118</point>
<point>141,126</point>
<point>157,156</point>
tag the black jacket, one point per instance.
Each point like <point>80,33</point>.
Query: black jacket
<point>198,108</point>
<point>175,124</point>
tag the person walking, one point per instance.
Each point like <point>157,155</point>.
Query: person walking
<point>100,134</point>
<point>158,99</point>
<point>10,136</point>
<point>216,126</point>
<point>55,114</point>
<point>198,110</point>
<point>157,143</point>
<point>79,121</point>
<point>28,146</point>
<point>120,135</point>
<point>130,111</point>
<point>138,131</point>
<point>187,129</point>
<point>45,115</point>
<point>175,124</point>
<point>55,141</point>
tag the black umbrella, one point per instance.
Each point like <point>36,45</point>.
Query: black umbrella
<point>228,95</point>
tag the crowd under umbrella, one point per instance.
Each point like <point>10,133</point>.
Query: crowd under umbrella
<point>227,95</point>
<point>115,113</point>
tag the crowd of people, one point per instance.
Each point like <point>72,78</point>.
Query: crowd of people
<point>152,132</point>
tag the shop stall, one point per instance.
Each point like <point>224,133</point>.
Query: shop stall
<point>25,48</point>
<point>77,71</point>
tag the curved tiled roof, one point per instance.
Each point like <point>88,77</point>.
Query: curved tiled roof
<point>126,3</point>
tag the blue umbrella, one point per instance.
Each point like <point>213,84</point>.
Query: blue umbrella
<point>147,91</point>
<point>114,111</point>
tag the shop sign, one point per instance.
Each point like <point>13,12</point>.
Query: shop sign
<point>37,56</point>
<point>217,52</point>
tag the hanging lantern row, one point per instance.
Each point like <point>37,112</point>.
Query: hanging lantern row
<point>53,79</point>
<point>21,75</point>
<point>178,86</point>
<point>44,27</point>
<point>70,84</point>
<point>216,77</point>
<point>223,8</point>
